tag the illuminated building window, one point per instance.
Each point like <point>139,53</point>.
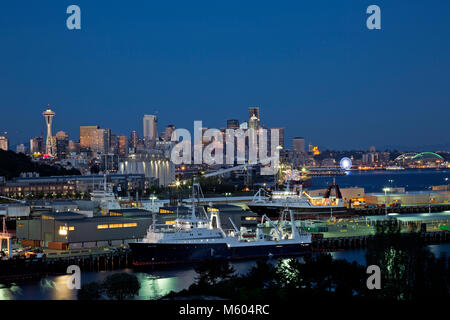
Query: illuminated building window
<point>116,225</point>
<point>20,225</point>
<point>115,214</point>
<point>62,231</point>
<point>102,226</point>
<point>128,225</point>
<point>166,211</point>
<point>213,209</point>
<point>170,222</point>
<point>71,228</point>
<point>250,218</point>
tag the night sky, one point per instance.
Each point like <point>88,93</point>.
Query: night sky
<point>312,66</point>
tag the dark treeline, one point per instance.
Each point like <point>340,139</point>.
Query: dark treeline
<point>13,164</point>
<point>409,272</point>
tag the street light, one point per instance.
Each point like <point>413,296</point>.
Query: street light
<point>385,196</point>
<point>429,199</point>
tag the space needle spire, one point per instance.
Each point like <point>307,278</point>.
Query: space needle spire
<point>49,146</point>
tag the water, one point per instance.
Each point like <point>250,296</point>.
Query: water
<point>375,180</point>
<point>156,284</point>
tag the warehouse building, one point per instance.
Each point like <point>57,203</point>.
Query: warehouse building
<point>435,221</point>
<point>72,230</point>
<point>409,197</point>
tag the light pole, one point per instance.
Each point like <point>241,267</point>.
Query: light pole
<point>385,200</point>
<point>429,199</point>
<point>391,181</point>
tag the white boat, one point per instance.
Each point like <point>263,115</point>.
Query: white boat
<point>194,240</point>
<point>105,198</point>
<point>394,168</point>
<point>299,202</point>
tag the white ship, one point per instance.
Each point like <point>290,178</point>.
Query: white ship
<point>394,168</point>
<point>105,198</point>
<point>299,202</point>
<point>194,240</point>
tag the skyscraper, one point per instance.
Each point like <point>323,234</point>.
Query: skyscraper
<point>253,111</point>
<point>87,134</point>
<point>150,123</point>
<point>134,139</point>
<point>232,124</point>
<point>49,146</point>
<point>20,148</point>
<point>168,132</point>
<point>123,145</point>
<point>280,135</point>
<point>253,118</point>
<point>62,144</point>
<point>4,143</point>
<point>299,144</point>
<point>36,145</point>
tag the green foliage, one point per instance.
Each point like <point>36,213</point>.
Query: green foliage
<point>409,270</point>
<point>212,271</point>
<point>90,291</point>
<point>121,286</point>
<point>13,164</point>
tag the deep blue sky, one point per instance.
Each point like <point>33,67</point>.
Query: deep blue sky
<point>312,66</point>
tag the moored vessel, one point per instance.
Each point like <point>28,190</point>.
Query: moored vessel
<point>194,240</point>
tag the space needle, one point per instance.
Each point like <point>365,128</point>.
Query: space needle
<point>48,115</point>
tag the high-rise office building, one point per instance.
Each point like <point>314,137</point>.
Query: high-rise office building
<point>74,146</point>
<point>134,140</point>
<point>106,140</point>
<point>114,145</point>
<point>123,145</point>
<point>36,145</point>
<point>253,120</point>
<point>95,139</point>
<point>20,148</point>
<point>253,111</point>
<point>280,136</point>
<point>232,124</point>
<point>168,132</point>
<point>4,143</point>
<point>62,144</point>
<point>298,144</point>
<point>87,136</point>
<point>49,142</point>
<point>150,123</point>
<point>100,141</point>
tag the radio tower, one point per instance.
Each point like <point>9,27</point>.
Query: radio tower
<point>48,115</point>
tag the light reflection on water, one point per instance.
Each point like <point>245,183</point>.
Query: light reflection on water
<point>154,284</point>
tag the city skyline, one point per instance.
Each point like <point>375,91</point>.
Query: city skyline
<point>140,133</point>
<point>314,69</point>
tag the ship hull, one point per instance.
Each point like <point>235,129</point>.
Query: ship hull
<point>273,212</point>
<point>161,253</point>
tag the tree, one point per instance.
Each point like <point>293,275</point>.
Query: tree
<point>409,271</point>
<point>90,291</point>
<point>121,286</point>
<point>211,271</point>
